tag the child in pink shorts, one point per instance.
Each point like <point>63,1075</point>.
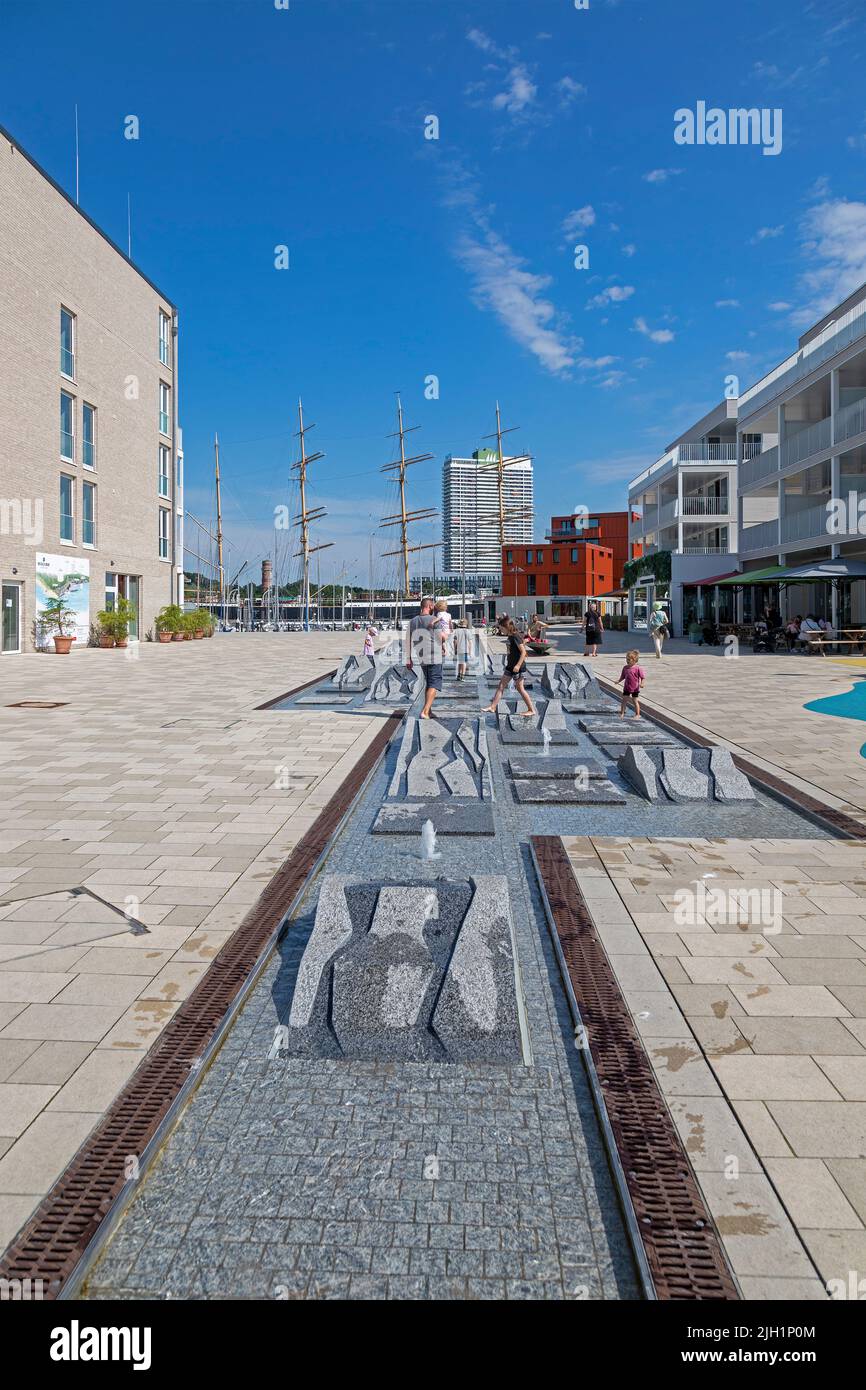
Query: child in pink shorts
<point>633,677</point>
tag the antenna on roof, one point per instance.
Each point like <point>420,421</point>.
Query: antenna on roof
<point>76,154</point>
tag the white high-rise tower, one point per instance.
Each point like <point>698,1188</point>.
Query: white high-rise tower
<point>469,492</point>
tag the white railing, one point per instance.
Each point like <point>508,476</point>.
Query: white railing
<point>702,452</point>
<point>804,524</point>
<point>805,442</point>
<point>760,466</point>
<point>758,537</point>
<point>705,506</point>
<point>705,550</point>
<point>851,420</point>
<point>668,513</point>
<point>835,337</point>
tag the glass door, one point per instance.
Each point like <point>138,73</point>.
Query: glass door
<point>10,641</point>
<point>129,589</point>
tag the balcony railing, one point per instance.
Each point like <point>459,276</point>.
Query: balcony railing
<point>850,420</point>
<point>806,523</point>
<point>758,537</point>
<point>705,550</point>
<point>835,337</point>
<point>812,440</point>
<point>702,452</point>
<point>705,506</point>
<point>668,513</point>
<point>759,466</point>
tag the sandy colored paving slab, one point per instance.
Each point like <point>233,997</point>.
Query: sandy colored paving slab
<point>762,1065</point>
<point>163,790</point>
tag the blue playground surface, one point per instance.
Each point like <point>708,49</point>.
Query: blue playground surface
<point>851,704</point>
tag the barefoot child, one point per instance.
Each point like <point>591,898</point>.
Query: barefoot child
<point>515,663</point>
<point>633,677</point>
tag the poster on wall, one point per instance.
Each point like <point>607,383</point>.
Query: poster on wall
<point>64,581</point>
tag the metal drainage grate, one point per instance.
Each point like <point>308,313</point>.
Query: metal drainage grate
<point>681,1250</point>
<point>57,1236</point>
<point>38,704</point>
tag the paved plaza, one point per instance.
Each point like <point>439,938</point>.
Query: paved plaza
<point>301,1174</point>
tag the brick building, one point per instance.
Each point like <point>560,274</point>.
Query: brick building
<point>91,506</point>
<point>581,559</point>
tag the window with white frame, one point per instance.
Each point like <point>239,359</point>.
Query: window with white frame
<point>164,532</point>
<point>67,508</point>
<point>164,339</point>
<point>164,408</point>
<point>67,426</point>
<point>88,514</point>
<point>67,343</point>
<point>88,435</point>
<point>164,471</point>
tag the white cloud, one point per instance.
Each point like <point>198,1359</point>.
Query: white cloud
<point>661,175</point>
<point>484,42</point>
<point>502,284</point>
<point>737,356</point>
<point>579,220</point>
<point>613,294</point>
<point>834,243</point>
<point>656,335</point>
<point>613,380</point>
<point>779,306</point>
<point>727,303</point>
<point>596,362</point>
<point>767,233</point>
<point>629,249</point>
<point>569,91</point>
<point>519,92</point>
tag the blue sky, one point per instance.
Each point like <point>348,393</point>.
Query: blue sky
<point>453,258</point>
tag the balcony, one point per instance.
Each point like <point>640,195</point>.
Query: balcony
<point>705,506</point>
<point>851,420</point>
<point>834,339</point>
<point>806,524</point>
<point>814,439</point>
<point>705,550</point>
<point>702,452</point>
<point>759,537</point>
<point>759,466</point>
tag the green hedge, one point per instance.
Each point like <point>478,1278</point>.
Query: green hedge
<point>658,565</point>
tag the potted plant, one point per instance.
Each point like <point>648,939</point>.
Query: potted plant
<point>57,618</point>
<point>105,620</point>
<point>200,623</point>
<point>124,614</point>
<point>169,623</point>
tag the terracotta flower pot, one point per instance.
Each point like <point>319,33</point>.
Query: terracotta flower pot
<point>122,641</point>
<point>62,645</point>
<point>164,636</point>
<point>177,637</point>
<point>106,641</point>
<point>199,634</point>
<point>187,636</point>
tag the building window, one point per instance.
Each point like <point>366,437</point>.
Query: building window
<point>509,557</point>
<point>88,436</point>
<point>164,339</point>
<point>67,343</point>
<point>164,409</point>
<point>67,508</point>
<point>556,557</point>
<point>164,475</point>
<point>164,523</point>
<point>574,555</point>
<point>554,584</point>
<point>67,427</point>
<point>178,474</point>
<point>539,557</point>
<point>529,557</point>
<point>88,514</point>
<point>530,585</point>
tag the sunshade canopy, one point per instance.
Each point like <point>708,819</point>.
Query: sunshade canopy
<point>774,574</point>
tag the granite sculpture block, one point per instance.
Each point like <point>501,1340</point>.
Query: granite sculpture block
<point>419,972</point>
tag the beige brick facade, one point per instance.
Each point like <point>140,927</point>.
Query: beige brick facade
<point>52,257</point>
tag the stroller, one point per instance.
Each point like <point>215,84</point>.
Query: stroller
<point>762,642</point>
<point>709,633</point>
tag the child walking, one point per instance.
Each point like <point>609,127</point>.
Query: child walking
<point>515,664</point>
<point>632,676</point>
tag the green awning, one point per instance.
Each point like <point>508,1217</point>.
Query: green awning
<point>774,574</point>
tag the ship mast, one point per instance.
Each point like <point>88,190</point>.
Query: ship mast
<point>306,516</point>
<point>404,518</point>
<point>504,512</point>
<point>219,533</point>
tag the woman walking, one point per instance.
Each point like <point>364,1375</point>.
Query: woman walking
<point>593,631</point>
<point>515,670</point>
<point>658,627</point>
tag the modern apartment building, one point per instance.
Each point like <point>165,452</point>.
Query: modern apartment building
<point>604,528</point>
<point>801,494</point>
<point>470,513</point>
<point>91,485</point>
<point>555,580</point>
<point>686,503</point>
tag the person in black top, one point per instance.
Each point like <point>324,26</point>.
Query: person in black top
<point>515,668</point>
<point>593,630</point>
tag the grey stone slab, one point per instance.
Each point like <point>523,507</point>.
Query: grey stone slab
<point>600,705</point>
<point>355,672</point>
<point>539,765</point>
<point>422,775</point>
<point>528,733</point>
<point>729,784</point>
<point>319,699</point>
<point>598,791</point>
<point>683,777</point>
<point>448,817</point>
<point>458,779</point>
<point>641,770</point>
<point>627,731</point>
<point>553,717</point>
<point>475,1017</point>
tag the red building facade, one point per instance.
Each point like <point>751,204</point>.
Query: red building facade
<point>581,559</point>
<point>604,528</point>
